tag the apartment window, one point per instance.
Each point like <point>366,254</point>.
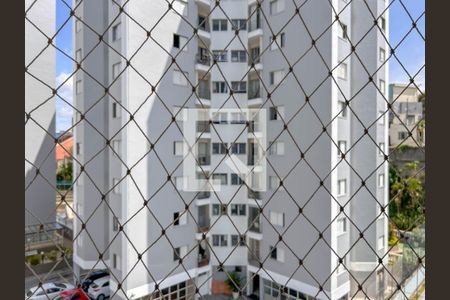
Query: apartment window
<point>342,71</point>
<point>279,41</point>
<point>220,240</point>
<point>179,218</point>
<point>382,86</point>
<point>239,24</point>
<point>276,6</point>
<point>180,6</point>
<point>221,178</point>
<point>382,55</point>
<point>180,78</point>
<point>116,147</point>
<point>239,86</point>
<point>78,55</point>
<point>116,32</point>
<point>116,261</point>
<point>274,182</point>
<point>342,30</point>
<point>276,77</point>
<point>276,148</point>
<point>116,186</point>
<point>342,187</point>
<point>220,118</point>
<point>383,23</point>
<point>238,209</point>
<point>381,149</point>
<point>219,25</point>
<point>381,117</point>
<point>115,70</point>
<point>341,225</point>
<point>342,147</point>
<point>402,135</point>
<point>236,179</point>
<point>220,87</point>
<point>219,148</point>
<point>78,25</point>
<point>238,148</point>
<point>277,253</point>
<point>115,223</point>
<point>410,120</point>
<point>78,148</point>
<point>220,55</point>
<point>342,107</point>
<point>115,110</point>
<point>276,112</point>
<point>380,243</point>
<point>180,42</point>
<point>216,209</point>
<point>78,87</point>
<point>238,118</point>
<point>238,56</point>
<point>276,218</point>
<point>236,239</point>
<point>380,180</point>
<point>178,148</point>
<point>180,252</point>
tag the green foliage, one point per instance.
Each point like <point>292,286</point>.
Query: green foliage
<point>65,172</point>
<point>34,259</point>
<point>52,255</point>
<point>233,282</point>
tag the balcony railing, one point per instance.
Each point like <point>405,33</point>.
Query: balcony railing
<point>203,126</point>
<point>251,194</point>
<point>254,89</point>
<point>204,160</point>
<point>203,259</point>
<point>203,24</point>
<point>254,56</point>
<point>203,59</point>
<point>203,195</point>
<point>204,90</point>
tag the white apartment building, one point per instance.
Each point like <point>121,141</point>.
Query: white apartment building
<point>40,163</point>
<point>152,218</point>
<point>407,113</point>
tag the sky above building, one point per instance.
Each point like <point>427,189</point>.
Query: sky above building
<point>407,41</point>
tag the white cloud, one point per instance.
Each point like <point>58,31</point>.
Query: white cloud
<point>64,111</point>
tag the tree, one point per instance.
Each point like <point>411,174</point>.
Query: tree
<point>65,172</point>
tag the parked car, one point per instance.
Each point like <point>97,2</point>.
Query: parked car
<point>93,276</point>
<point>75,294</point>
<point>99,289</point>
<point>47,291</point>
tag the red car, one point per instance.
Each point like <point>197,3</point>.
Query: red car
<point>75,294</point>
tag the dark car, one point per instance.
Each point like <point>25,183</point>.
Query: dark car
<point>93,276</point>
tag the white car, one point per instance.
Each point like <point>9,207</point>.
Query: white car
<point>99,289</point>
<point>47,291</point>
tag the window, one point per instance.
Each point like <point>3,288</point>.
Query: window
<point>115,110</point>
<point>180,6</point>
<point>410,120</point>
<point>279,41</point>
<point>221,178</point>
<point>276,77</point>
<point>236,239</point>
<point>236,179</point>
<point>116,147</point>
<point>180,78</point>
<point>382,86</point>
<point>238,209</point>
<point>116,261</point>
<point>342,107</point>
<point>276,218</point>
<point>342,147</point>
<point>238,118</point>
<point>217,211</point>
<point>78,25</point>
<point>382,55</point>
<point>239,86</point>
<point>116,186</point>
<point>380,243</point>
<point>179,218</point>
<point>342,187</point>
<point>116,32</point>
<point>219,25</point>
<point>238,56</point>
<point>342,71</point>
<point>277,253</point>
<point>115,223</point>
<point>383,23</point>
<point>180,252</point>
<point>115,70</point>
<point>178,148</point>
<point>402,135</point>
<point>220,87</point>
<point>341,225</point>
<point>381,117</point>
<point>277,148</point>
<point>220,118</point>
<point>219,148</point>
<point>220,55</point>
<point>78,55</point>
<point>276,112</point>
<point>274,182</point>
<point>380,180</point>
<point>381,149</point>
<point>238,148</point>
<point>180,42</point>
<point>220,240</point>
<point>342,30</point>
<point>276,6</point>
<point>78,148</point>
<point>239,24</point>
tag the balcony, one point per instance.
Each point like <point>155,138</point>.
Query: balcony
<point>202,62</point>
<point>204,27</point>
<point>254,256</point>
<point>204,160</point>
<point>254,223</point>
<point>203,256</point>
<point>254,56</point>
<point>251,194</point>
<point>203,127</point>
<point>254,89</point>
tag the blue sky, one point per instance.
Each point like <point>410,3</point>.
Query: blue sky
<point>411,52</point>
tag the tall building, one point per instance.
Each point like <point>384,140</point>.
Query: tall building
<point>40,165</point>
<point>134,204</point>
<point>407,116</point>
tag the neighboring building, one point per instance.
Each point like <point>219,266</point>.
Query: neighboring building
<point>142,253</point>
<point>40,163</point>
<point>64,150</point>
<point>407,116</point>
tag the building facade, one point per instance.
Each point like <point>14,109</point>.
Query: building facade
<point>40,165</point>
<point>137,215</point>
<point>407,116</point>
